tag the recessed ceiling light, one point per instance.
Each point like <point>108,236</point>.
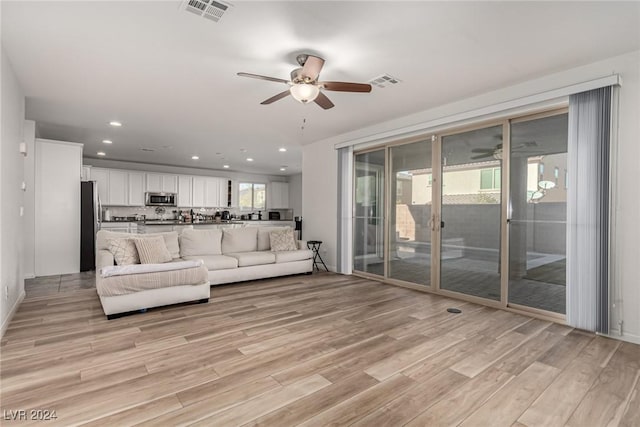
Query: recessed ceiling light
<point>283,169</point>
<point>225,166</point>
<point>107,141</point>
<point>115,123</point>
<point>282,149</point>
<point>101,153</point>
<point>249,159</point>
<point>195,158</point>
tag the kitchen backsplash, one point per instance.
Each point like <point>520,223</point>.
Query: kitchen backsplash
<point>149,212</point>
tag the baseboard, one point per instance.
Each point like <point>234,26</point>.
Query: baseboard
<point>30,276</point>
<point>635,339</point>
<point>13,310</point>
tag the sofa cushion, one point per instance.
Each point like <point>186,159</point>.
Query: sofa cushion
<point>124,251</point>
<point>264,240</point>
<point>246,259</point>
<point>283,240</point>
<point>290,256</point>
<point>217,262</point>
<point>152,250</point>
<point>170,239</point>
<point>239,240</point>
<point>200,242</point>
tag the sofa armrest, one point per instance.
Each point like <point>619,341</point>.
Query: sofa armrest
<point>302,244</point>
<point>104,258</point>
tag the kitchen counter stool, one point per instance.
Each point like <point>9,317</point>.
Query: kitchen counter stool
<point>314,245</point>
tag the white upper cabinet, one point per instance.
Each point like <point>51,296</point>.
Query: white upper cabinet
<point>278,195</point>
<point>169,183</point>
<point>118,188</point>
<point>86,173</point>
<point>212,193</point>
<point>162,183</point>
<point>136,189</point>
<point>223,193</point>
<point>185,191</point>
<point>127,188</point>
<point>101,176</point>
<point>208,192</point>
<point>198,191</point>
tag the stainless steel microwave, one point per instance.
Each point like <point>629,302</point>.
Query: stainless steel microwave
<point>161,199</point>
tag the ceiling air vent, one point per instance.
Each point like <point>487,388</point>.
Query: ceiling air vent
<point>209,9</point>
<point>384,81</point>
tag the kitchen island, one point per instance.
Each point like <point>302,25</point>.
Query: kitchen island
<point>158,226</point>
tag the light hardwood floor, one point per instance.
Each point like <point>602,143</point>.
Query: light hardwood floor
<point>308,350</point>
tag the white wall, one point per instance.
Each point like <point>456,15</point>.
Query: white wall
<point>11,176</point>
<point>295,194</point>
<point>320,162</point>
<point>320,200</point>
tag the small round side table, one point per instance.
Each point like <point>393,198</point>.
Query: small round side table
<point>314,245</point>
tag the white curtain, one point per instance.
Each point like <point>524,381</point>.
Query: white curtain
<point>345,209</point>
<point>588,210</point>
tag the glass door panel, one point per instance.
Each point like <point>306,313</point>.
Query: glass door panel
<point>538,224</point>
<point>470,212</point>
<point>410,199</point>
<point>368,227</point>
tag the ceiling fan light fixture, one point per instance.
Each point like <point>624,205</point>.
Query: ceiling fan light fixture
<point>304,92</point>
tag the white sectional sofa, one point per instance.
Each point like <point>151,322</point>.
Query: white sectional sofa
<point>228,256</point>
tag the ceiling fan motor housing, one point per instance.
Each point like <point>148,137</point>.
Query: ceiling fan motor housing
<point>297,77</point>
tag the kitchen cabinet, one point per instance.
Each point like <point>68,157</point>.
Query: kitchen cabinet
<point>57,207</point>
<point>118,189</point>
<point>101,177</point>
<point>185,191</point>
<point>162,183</point>
<point>212,193</point>
<point>209,192</point>
<point>120,227</point>
<point>86,173</point>
<point>136,189</point>
<point>199,183</point>
<point>278,195</point>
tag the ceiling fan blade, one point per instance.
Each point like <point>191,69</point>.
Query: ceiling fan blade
<point>312,67</point>
<point>323,101</point>
<point>482,156</point>
<point>275,97</point>
<point>259,77</point>
<point>347,87</point>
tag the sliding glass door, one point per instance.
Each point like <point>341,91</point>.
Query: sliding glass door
<point>470,226</point>
<point>479,212</point>
<point>368,227</point>
<point>538,224</point>
<point>410,213</point>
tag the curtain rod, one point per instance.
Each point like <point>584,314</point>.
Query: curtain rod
<point>545,96</point>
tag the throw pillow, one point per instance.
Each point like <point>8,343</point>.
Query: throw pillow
<point>283,240</point>
<point>152,250</point>
<point>124,251</point>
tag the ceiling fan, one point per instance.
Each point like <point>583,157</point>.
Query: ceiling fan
<point>496,152</point>
<point>304,85</point>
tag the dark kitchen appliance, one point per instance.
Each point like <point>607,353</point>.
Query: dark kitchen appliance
<point>161,199</point>
<point>90,218</point>
<point>226,216</point>
<point>274,216</point>
<point>298,228</point>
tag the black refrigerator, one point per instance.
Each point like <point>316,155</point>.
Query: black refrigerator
<point>90,215</point>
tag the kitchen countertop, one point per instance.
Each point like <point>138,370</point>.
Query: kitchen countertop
<point>174,222</point>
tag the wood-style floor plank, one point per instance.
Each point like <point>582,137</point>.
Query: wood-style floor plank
<point>324,349</point>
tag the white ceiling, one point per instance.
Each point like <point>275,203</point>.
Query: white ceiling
<point>170,76</point>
